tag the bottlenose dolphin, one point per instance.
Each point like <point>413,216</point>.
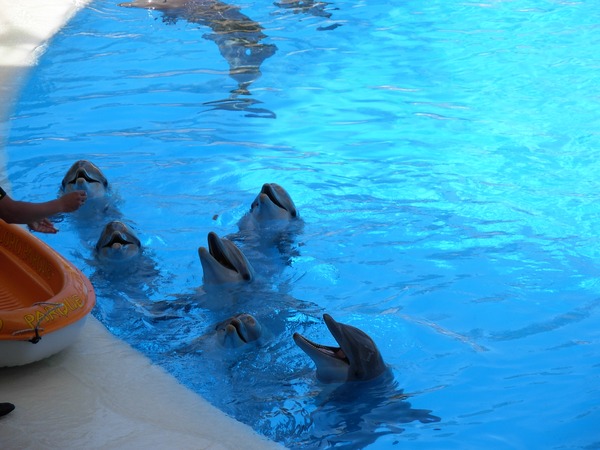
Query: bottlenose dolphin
<point>85,176</point>
<point>356,359</point>
<point>223,262</point>
<point>238,330</point>
<point>272,207</point>
<point>117,242</point>
<point>237,36</point>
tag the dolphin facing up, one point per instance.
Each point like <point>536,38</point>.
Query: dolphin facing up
<point>273,203</point>
<point>85,176</point>
<point>117,242</point>
<point>238,330</point>
<point>272,208</point>
<point>223,262</point>
<point>356,359</point>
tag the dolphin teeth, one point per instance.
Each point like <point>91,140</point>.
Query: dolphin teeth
<point>118,238</point>
<point>81,173</point>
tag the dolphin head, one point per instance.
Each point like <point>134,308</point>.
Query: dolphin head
<point>356,359</point>
<point>238,330</point>
<point>273,203</point>
<point>117,242</point>
<point>222,262</point>
<point>85,176</point>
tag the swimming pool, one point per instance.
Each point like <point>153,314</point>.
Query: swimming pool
<point>442,158</point>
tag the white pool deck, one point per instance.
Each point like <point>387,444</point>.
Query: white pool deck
<point>99,393</point>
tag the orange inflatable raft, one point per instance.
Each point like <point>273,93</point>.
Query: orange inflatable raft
<point>44,299</point>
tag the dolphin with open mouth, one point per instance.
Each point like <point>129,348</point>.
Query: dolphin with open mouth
<point>223,262</point>
<point>356,359</point>
<point>273,203</point>
<point>238,330</point>
<point>85,176</point>
<point>117,242</point>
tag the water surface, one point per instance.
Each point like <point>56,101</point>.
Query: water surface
<point>443,158</point>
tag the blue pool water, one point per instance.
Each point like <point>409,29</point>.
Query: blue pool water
<point>443,157</point>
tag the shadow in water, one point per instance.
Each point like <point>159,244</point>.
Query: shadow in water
<point>237,36</point>
<point>356,414</point>
<point>311,8</point>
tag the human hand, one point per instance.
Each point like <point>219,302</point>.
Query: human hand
<point>43,226</point>
<point>73,200</point>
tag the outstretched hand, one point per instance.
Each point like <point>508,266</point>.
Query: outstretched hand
<point>43,226</point>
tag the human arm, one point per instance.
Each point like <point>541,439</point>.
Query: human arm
<point>34,214</point>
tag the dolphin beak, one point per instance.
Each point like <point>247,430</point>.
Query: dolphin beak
<point>318,351</point>
<point>332,362</point>
<point>217,250</point>
<point>82,173</point>
<point>236,326</point>
<point>279,197</point>
<point>223,256</point>
<point>239,330</point>
<point>117,234</point>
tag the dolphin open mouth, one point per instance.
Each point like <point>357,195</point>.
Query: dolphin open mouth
<point>117,233</point>
<point>279,197</point>
<point>82,173</point>
<point>228,256</point>
<point>119,238</point>
<point>331,352</point>
<point>313,349</point>
<point>84,170</point>
<point>218,251</point>
<point>268,190</point>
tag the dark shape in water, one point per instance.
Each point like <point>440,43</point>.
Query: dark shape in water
<point>355,415</point>
<point>237,36</point>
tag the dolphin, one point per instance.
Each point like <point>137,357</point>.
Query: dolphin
<point>85,176</point>
<point>117,242</point>
<point>223,262</point>
<point>356,359</point>
<point>273,203</point>
<point>238,330</point>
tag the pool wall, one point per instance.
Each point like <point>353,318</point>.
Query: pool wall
<point>99,393</point>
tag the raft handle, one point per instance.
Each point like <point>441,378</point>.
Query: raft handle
<point>37,338</point>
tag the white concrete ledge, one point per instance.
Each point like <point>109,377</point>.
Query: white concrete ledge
<point>101,394</point>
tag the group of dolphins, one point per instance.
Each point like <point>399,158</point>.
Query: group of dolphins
<point>356,358</point>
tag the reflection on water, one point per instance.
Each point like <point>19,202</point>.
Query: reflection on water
<point>237,36</point>
<point>246,105</point>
